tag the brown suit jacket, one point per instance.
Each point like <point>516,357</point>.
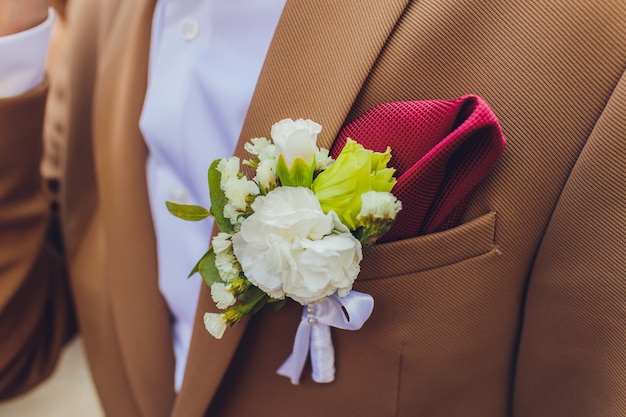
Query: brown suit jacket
<point>516,312</point>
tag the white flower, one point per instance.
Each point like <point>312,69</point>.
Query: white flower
<point>289,247</point>
<point>296,139</point>
<point>221,242</point>
<point>229,168</point>
<point>222,296</point>
<point>380,205</point>
<point>262,148</point>
<point>266,174</point>
<point>237,191</point>
<point>323,160</point>
<point>234,215</point>
<point>215,324</point>
<point>227,265</point>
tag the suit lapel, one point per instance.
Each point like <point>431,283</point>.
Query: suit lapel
<point>319,58</point>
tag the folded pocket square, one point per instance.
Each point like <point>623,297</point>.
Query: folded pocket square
<point>441,149</point>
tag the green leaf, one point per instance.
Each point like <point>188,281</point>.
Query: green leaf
<point>218,199</point>
<point>259,304</point>
<point>253,300</point>
<point>197,265</point>
<point>207,269</point>
<point>187,211</point>
<point>195,268</point>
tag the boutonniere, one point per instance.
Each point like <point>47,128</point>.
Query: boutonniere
<point>297,229</point>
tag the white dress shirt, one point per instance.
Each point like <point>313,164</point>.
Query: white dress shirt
<point>205,59</point>
<point>19,71</point>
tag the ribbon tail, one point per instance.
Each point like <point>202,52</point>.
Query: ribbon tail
<point>314,334</point>
<point>322,354</point>
<point>293,366</point>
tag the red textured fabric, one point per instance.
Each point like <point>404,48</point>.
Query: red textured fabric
<point>440,149</point>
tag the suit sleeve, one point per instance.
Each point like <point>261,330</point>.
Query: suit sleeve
<point>572,358</point>
<point>36,316</point>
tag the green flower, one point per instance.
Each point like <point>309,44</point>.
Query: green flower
<point>355,172</point>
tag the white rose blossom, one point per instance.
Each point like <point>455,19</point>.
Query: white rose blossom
<point>290,247</point>
<point>215,324</point>
<point>296,139</point>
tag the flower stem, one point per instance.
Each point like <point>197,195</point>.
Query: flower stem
<point>255,300</point>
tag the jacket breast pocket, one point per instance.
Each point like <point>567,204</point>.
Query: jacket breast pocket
<point>431,251</point>
<point>443,329</point>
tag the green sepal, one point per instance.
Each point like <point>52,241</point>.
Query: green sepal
<point>187,211</point>
<point>207,269</point>
<point>218,198</point>
<point>274,304</point>
<point>299,175</point>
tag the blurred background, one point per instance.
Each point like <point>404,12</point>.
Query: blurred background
<point>69,392</point>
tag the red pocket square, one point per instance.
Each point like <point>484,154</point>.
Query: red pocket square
<point>440,149</point>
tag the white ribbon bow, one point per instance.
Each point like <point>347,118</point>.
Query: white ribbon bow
<point>348,313</point>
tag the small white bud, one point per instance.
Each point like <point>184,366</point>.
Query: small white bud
<point>215,324</point>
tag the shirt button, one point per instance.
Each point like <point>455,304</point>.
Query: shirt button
<point>189,28</point>
<point>178,195</point>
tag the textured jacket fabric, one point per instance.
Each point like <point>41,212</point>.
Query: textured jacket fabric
<point>518,311</point>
